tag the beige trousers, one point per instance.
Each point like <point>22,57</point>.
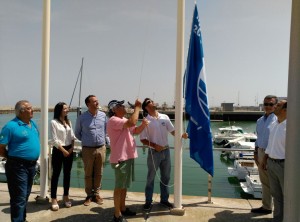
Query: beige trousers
<point>93,160</point>
<point>263,176</point>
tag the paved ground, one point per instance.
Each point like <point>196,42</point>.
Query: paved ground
<point>196,209</point>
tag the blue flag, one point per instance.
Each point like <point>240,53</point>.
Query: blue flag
<point>196,103</point>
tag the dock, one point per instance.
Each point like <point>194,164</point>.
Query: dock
<point>196,208</point>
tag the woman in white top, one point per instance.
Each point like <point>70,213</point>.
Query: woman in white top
<point>62,153</point>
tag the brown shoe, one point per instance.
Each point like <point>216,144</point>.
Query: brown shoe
<point>87,201</point>
<point>97,199</point>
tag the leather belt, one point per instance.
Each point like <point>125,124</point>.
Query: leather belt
<point>20,160</point>
<point>276,160</point>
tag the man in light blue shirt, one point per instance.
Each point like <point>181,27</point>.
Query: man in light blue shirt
<point>263,131</point>
<point>91,130</point>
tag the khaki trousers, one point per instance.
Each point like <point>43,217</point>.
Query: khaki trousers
<point>93,160</point>
<point>263,176</point>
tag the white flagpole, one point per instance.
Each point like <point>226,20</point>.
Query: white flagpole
<point>44,99</point>
<point>179,109</point>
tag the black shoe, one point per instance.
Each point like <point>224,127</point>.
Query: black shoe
<point>261,210</point>
<point>147,206</point>
<point>119,219</point>
<point>128,212</point>
<point>167,204</point>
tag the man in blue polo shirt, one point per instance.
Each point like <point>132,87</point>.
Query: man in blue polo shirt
<point>21,137</point>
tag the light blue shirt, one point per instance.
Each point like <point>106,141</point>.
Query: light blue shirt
<point>91,130</point>
<point>263,130</point>
<point>22,141</point>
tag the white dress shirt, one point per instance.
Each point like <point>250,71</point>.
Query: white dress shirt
<point>61,135</point>
<point>276,144</point>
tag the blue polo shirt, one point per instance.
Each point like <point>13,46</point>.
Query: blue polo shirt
<point>21,140</point>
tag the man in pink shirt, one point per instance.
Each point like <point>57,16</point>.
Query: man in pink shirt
<point>123,152</point>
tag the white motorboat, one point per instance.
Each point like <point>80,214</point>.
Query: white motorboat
<point>2,170</point>
<point>240,149</point>
<point>252,186</point>
<point>225,134</point>
<point>242,168</point>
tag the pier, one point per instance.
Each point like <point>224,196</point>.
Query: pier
<point>196,208</point>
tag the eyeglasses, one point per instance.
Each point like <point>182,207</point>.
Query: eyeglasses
<point>269,104</point>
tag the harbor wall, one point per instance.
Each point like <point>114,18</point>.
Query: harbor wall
<point>214,115</point>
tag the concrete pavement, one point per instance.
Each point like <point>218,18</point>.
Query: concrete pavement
<point>196,209</point>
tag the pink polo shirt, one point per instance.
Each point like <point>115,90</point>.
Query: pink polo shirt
<point>122,142</point>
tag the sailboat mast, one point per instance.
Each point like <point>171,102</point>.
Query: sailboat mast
<point>80,83</point>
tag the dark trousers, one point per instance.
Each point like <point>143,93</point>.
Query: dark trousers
<point>19,181</point>
<point>58,160</point>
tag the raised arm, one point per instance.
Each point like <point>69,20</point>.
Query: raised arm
<point>135,116</point>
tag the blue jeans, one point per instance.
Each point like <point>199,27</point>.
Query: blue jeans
<point>19,181</point>
<point>162,161</point>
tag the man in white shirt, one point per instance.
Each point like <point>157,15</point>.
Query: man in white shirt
<point>275,157</point>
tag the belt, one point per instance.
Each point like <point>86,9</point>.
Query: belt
<point>95,147</point>
<point>165,148</point>
<point>20,160</point>
<point>276,160</point>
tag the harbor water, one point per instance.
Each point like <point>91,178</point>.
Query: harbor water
<point>195,179</point>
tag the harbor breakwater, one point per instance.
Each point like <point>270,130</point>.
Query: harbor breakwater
<point>214,115</point>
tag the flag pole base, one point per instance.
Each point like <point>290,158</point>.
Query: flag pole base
<point>41,200</point>
<point>178,211</point>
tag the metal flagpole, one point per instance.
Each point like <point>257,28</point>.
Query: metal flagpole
<point>44,101</point>
<point>179,109</point>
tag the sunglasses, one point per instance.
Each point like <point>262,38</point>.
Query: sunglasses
<point>269,104</point>
<point>149,101</point>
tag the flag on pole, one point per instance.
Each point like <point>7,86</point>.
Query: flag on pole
<point>196,102</point>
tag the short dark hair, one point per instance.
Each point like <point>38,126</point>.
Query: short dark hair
<point>271,97</point>
<point>87,99</point>
<point>144,104</point>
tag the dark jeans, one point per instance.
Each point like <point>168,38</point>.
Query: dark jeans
<point>19,181</point>
<point>58,160</point>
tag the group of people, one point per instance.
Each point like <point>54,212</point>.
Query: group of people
<point>20,145</point>
<point>269,156</point>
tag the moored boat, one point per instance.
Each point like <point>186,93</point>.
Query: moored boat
<point>252,186</point>
<point>2,169</point>
<point>226,134</point>
<point>242,168</point>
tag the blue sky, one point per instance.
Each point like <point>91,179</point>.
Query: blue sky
<point>129,49</point>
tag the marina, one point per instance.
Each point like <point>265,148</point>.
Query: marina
<point>195,179</point>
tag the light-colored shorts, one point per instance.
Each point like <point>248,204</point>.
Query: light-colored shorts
<point>124,173</point>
